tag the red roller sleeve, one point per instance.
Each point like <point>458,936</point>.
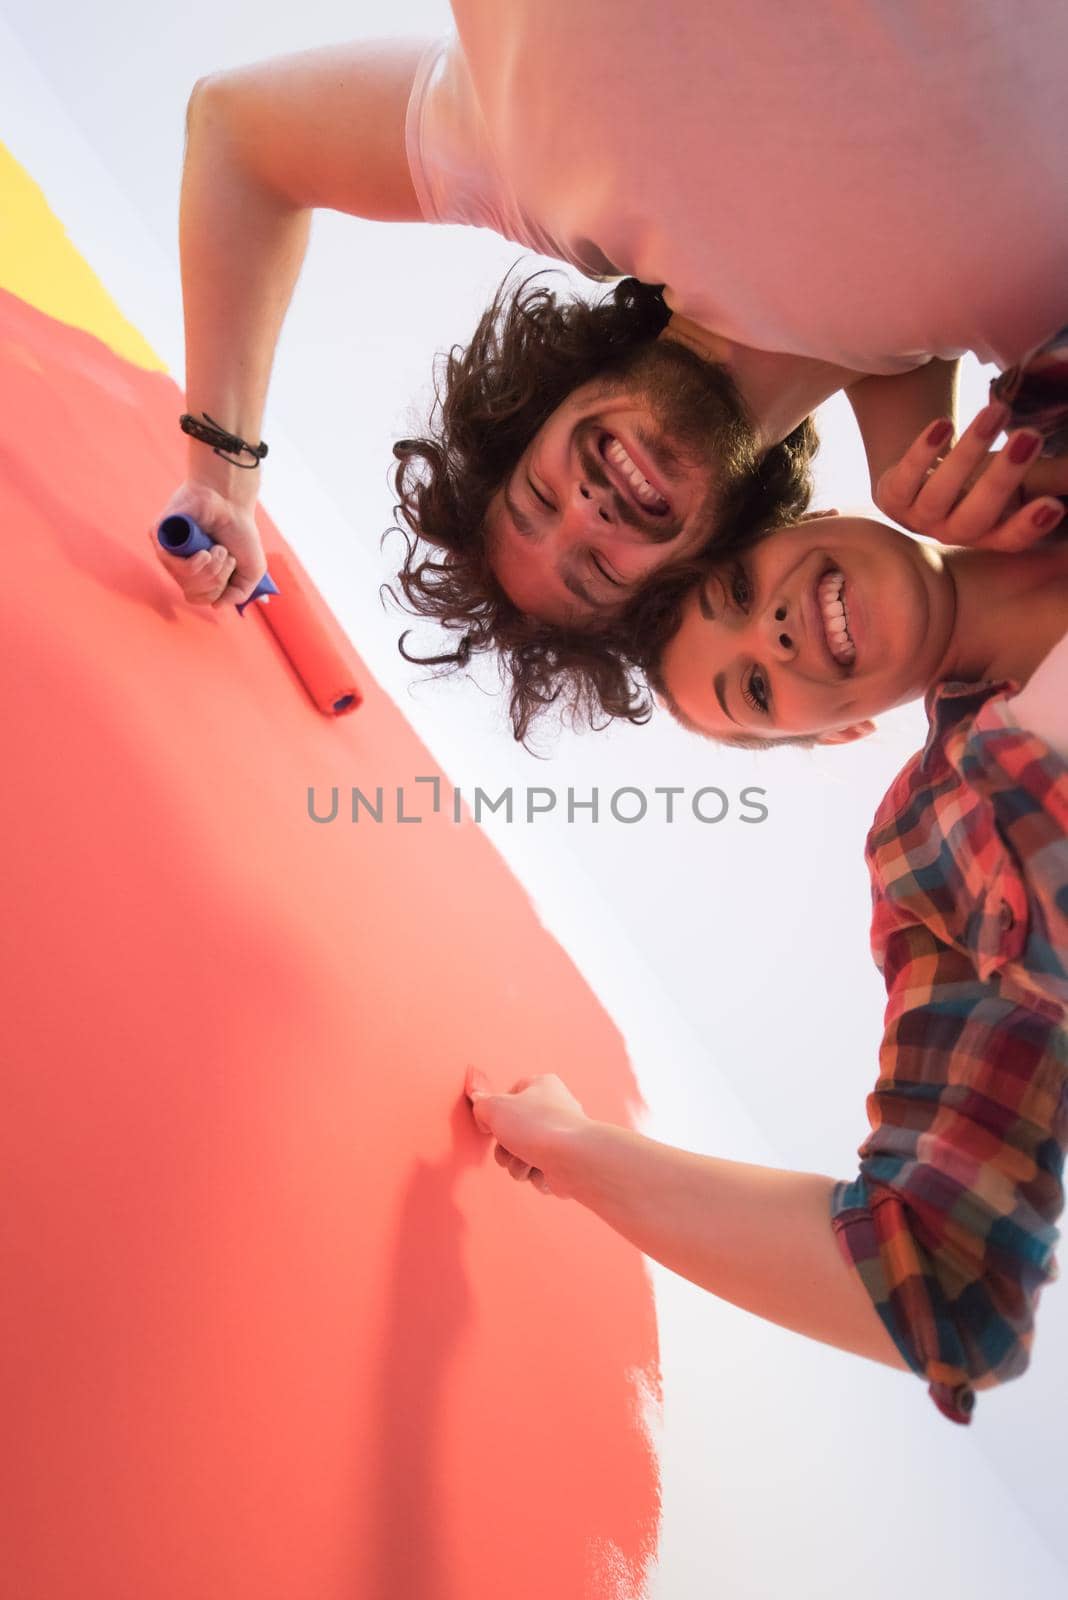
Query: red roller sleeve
<point>311,637</point>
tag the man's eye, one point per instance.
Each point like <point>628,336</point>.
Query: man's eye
<point>755,691</point>
<point>615,582</point>
<point>741,590</point>
<point>536,492</point>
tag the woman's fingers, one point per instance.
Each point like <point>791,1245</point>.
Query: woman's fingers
<point>970,494</point>
<point>1018,532</point>
<point>518,1169</point>
<point>927,485</point>
<point>995,493</point>
<point>944,480</point>
<point>1045,482</point>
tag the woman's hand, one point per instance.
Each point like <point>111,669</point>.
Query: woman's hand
<point>534,1125</point>
<point>971,495</point>
<point>230,571</point>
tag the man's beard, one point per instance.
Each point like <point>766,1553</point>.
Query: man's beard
<point>700,416</point>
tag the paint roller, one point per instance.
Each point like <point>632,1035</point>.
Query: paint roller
<point>307,633</point>
<point>181,536</point>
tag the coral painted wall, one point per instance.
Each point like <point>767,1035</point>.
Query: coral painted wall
<point>276,1327</point>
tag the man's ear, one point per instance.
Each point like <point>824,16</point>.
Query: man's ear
<point>855,730</point>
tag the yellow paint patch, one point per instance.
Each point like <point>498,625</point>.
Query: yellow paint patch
<point>40,265</point>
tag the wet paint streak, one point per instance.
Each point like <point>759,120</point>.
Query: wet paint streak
<point>278,1327</point>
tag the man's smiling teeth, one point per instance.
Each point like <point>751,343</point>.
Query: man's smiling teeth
<point>643,489</point>
<point>835,619</point>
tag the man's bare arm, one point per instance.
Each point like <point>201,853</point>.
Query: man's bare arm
<point>267,144</point>
<point>891,411</point>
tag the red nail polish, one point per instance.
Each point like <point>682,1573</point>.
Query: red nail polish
<point>988,423</point>
<point>1046,516</point>
<point>938,435</point>
<point>1023,447</point>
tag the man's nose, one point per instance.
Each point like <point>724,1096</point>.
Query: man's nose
<point>590,509</point>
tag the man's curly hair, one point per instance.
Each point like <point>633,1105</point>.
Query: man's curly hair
<point>530,350</point>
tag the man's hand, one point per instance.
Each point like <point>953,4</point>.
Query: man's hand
<point>266,145</point>
<point>533,1126</point>
<point>228,573</point>
<point>998,500</point>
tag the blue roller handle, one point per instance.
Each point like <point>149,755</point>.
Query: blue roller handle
<point>181,536</point>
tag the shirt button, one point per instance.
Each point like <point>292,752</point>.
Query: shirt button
<point>1006,916</point>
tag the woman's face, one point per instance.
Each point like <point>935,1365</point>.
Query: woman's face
<point>815,630</point>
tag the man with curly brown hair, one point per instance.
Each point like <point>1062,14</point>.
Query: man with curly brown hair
<point>532,526</point>
<point>814,188</point>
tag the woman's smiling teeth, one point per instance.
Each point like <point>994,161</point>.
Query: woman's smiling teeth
<point>835,617</point>
<point>644,493</point>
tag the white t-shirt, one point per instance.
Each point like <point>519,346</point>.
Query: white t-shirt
<point>866,182</point>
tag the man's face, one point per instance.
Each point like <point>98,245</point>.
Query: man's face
<point>816,629</point>
<point>621,479</point>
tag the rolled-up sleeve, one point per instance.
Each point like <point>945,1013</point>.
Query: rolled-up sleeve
<point>951,1222</point>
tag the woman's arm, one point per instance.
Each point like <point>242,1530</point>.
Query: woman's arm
<point>755,1236</point>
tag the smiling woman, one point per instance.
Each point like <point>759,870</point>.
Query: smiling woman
<point>823,626</point>
<point>947,1233</point>
<point>762,643</point>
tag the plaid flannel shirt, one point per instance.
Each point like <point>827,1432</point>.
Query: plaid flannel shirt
<point>951,1221</point>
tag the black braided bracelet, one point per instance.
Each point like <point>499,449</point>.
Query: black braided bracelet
<point>225,444</point>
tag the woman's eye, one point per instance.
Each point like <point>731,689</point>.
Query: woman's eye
<point>755,691</point>
<point>741,592</point>
<point>536,492</point>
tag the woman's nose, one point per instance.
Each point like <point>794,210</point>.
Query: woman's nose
<point>782,631</point>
